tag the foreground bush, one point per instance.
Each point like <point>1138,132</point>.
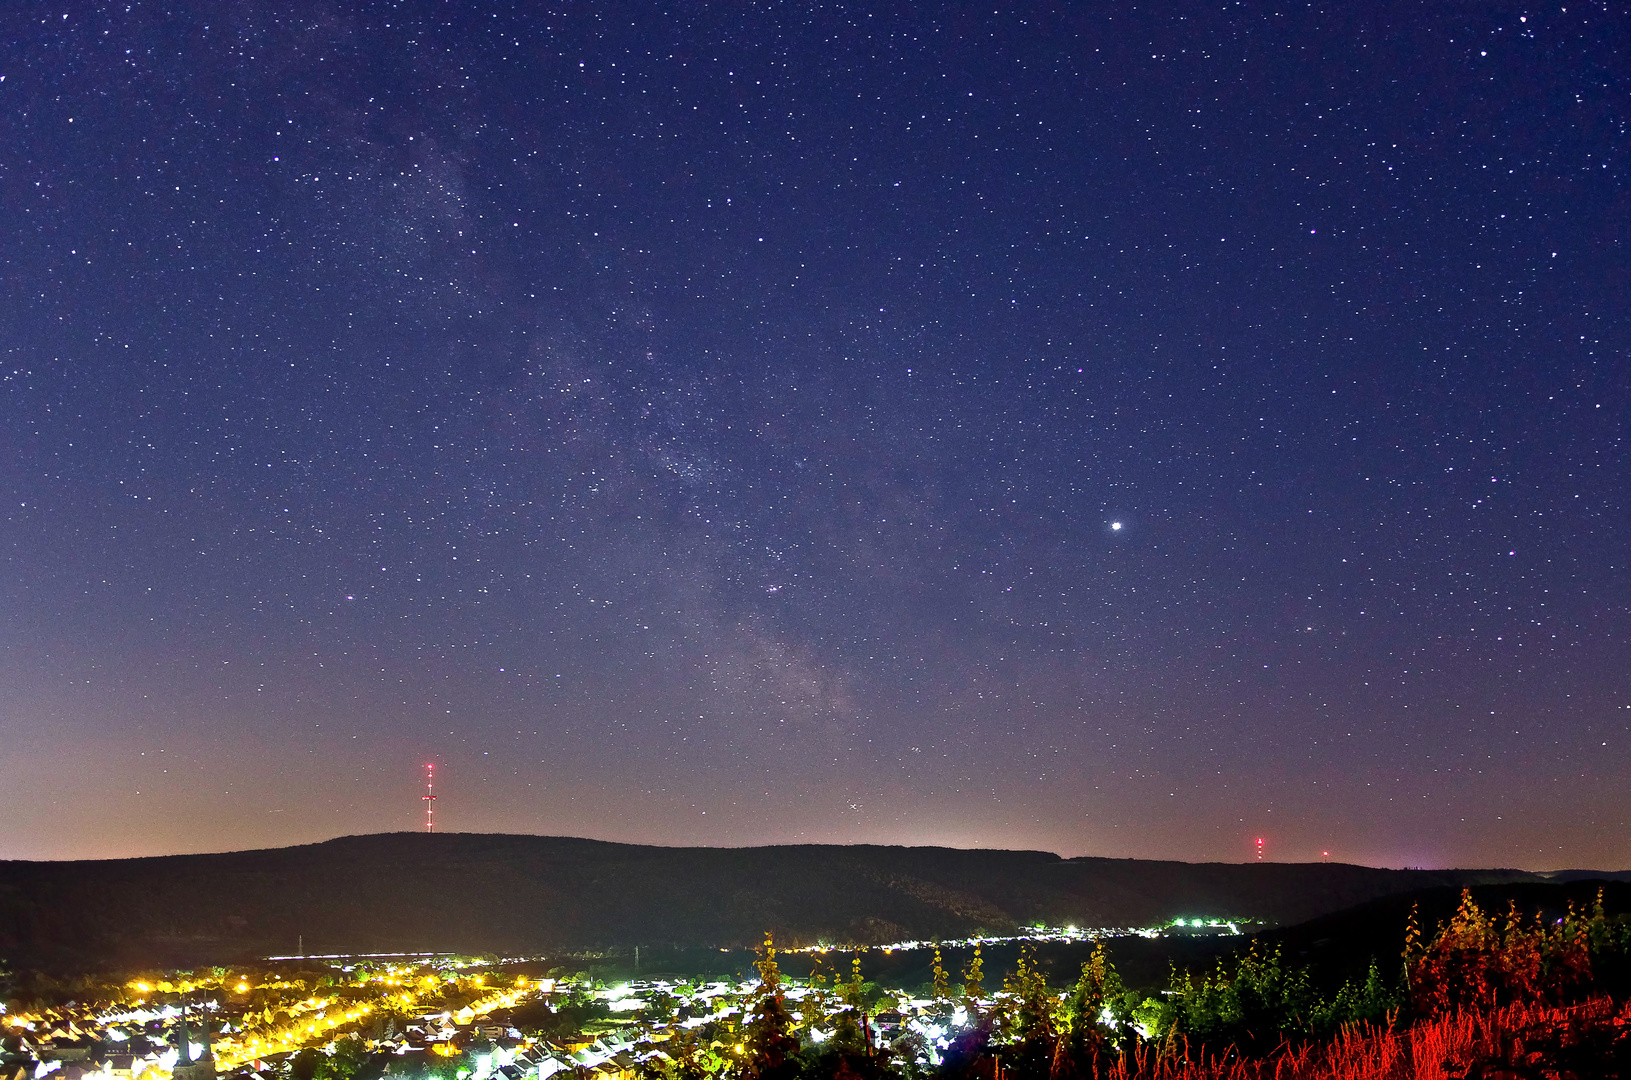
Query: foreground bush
<point>1588,1041</point>
<point>1543,998</point>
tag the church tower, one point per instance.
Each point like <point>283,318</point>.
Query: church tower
<point>188,1067</point>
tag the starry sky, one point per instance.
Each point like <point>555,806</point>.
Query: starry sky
<point>1118,430</point>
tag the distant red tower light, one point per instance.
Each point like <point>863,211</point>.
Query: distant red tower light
<point>1259,849</point>
<point>429,798</point>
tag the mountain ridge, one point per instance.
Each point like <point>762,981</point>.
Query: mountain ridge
<point>530,895</point>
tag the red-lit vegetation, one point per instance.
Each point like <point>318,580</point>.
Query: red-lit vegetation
<point>1482,998</point>
<point>1591,1039</point>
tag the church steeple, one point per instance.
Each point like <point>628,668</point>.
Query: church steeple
<point>188,1067</point>
<point>184,1050</point>
<point>206,1058</point>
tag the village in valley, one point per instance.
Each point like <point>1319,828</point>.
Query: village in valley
<point>1042,1004</point>
<point>458,1018</point>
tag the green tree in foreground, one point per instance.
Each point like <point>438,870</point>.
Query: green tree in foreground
<point>847,1032</point>
<point>1029,1005</point>
<point>768,1046</point>
<point>973,976</point>
<point>942,988</point>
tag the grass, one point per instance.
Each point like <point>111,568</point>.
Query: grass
<point>1592,1039</point>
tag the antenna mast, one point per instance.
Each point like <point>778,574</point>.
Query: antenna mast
<point>429,798</point>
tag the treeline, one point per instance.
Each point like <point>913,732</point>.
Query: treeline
<point>1257,1007</point>
<point>1473,961</point>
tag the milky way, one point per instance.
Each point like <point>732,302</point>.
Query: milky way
<point>1090,429</point>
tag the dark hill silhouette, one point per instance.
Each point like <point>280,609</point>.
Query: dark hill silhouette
<point>518,895</point>
<point>1588,875</point>
<point>1342,945</point>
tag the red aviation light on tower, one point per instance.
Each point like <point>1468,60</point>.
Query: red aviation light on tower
<point>1259,849</point>
<point>430,798</point>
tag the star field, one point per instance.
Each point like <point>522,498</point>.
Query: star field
<point>1115,430</point>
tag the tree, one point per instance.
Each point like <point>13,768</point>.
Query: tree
<point>973,976</point>
<point>1097,988</point>
<point>768,1045</point>
<point>1083,1045</point>
<point>1252,1005</point>
<point>854,989</point>
<point>686,1056</point>
<point>1372,1001</point>
<point>1566,952</point>
<point>1029,1003</point>
<point>816,999</point>
<point>847,1031</point>
<point>1458,968</point>
<point>348,1057</point>
<point>1475,962</point>
<point>942,989</point>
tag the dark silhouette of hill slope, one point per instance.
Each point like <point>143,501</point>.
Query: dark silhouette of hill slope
<point>518,895</point>
<point>1588,875</point>
<point>1341,945</point>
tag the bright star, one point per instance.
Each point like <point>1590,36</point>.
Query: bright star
<point>1115,526</point>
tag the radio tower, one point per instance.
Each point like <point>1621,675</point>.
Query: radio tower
<point>430,798</point>
<point>1259,849</point>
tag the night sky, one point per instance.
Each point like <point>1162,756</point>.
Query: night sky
<point>1105,429</point>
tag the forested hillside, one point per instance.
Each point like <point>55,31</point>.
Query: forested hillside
<point>535,894</point>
